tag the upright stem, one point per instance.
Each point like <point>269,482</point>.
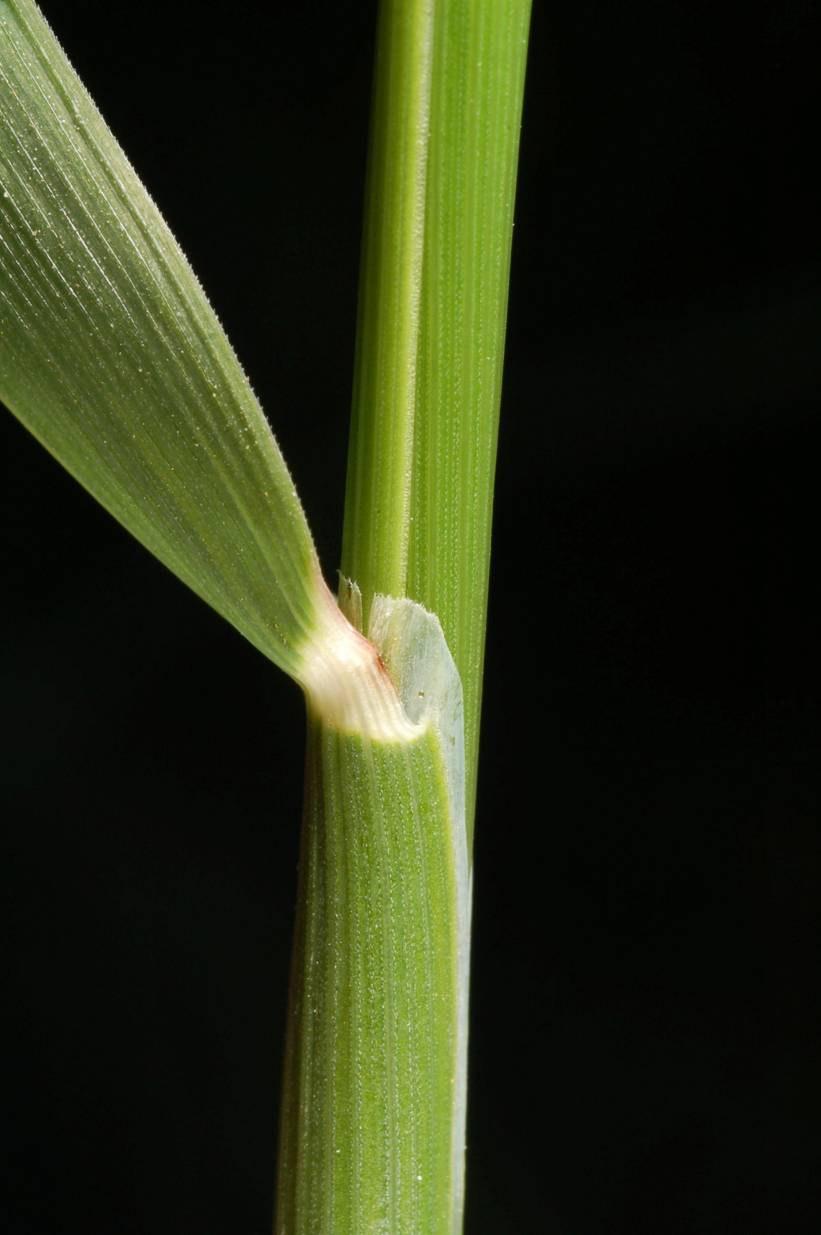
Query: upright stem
<point>433,306</point>
<point>377,523</point>
<point>373,1114</point>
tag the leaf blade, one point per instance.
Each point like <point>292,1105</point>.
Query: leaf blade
<point>111,355</point>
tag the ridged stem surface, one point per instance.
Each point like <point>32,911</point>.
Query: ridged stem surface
<point>421,468</point>
<point>368,1143</point>
<point>379,488</point>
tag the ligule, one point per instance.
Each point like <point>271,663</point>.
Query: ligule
<point>345,679</point>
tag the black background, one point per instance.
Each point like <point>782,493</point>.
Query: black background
<point>648,867</point>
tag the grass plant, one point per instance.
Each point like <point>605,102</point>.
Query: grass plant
<point>111,355</point>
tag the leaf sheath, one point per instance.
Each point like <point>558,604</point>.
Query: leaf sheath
<point>371,1140</point>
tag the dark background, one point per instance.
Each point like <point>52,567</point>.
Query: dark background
<point>644,1022</point>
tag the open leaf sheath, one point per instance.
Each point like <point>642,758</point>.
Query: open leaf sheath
<point>372,1129</point>
<point>111,355</point>
<point>373,1114</point>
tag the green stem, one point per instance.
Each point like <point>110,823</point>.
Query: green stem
<point>431,332</point>
<point>377,524</point>
<point>372,1135</point>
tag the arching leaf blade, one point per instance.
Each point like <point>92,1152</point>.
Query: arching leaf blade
<point>111,355</point>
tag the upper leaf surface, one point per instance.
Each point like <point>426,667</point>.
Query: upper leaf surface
<point>111,355</point>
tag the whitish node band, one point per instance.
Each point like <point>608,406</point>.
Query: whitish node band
<point>346,682</point>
